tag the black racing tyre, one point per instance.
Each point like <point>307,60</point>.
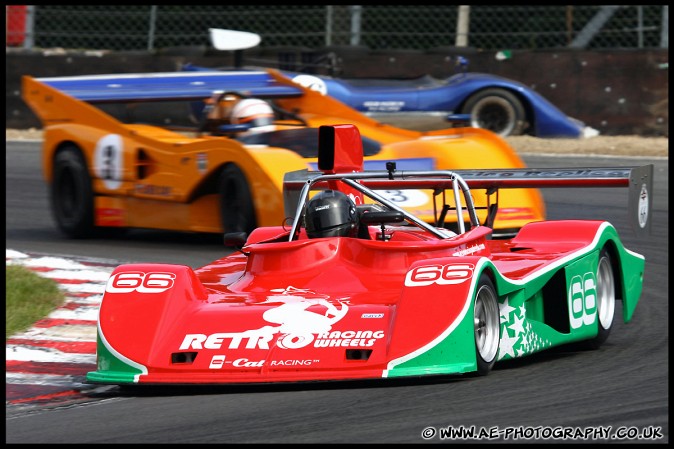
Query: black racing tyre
<point>497,110</point>
<point>606,299</point>
<point>71,193</point>
<point>236,202</point>
<point>486,318</point>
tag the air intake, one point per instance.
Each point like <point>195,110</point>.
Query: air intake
<point>183,358</point>
<point>358,354</point>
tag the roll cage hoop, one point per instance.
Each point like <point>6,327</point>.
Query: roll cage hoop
<point>365,182</point>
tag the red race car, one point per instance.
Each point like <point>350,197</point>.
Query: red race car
<point>356,287</point>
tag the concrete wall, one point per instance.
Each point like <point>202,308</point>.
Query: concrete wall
<point>616,92</point>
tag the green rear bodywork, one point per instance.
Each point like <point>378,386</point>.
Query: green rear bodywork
<point>536,313</point>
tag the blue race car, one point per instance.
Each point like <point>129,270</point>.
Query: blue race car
<point>501,105</point>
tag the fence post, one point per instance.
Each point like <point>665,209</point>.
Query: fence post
<point>356,12</point>
<point>328,25</point>
<point>29,43</point>
<point>664,31</point>
<point>462,26</point>
<point>153,20</point>
<point>594,26</point>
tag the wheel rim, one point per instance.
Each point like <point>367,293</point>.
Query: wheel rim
<point>605,293</point>
<point>486,316</point>
<point>495,114</point>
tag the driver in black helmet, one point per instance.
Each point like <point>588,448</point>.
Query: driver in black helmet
<point>331,213</point>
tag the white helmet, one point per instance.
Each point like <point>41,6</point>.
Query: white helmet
<point>252,111</point>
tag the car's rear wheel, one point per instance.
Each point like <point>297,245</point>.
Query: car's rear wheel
<point>71,193</point>
<point>498,111</point>
<point>606,299</point>
<point>486,318</point>
<point>236,201</point>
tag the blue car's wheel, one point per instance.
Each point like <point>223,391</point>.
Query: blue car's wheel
<point>486,318</point>
<point>497,110</point>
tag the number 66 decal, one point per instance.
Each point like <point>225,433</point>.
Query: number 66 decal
<point>454,273</point>
<point>582,300</point>
<point>129,281</point>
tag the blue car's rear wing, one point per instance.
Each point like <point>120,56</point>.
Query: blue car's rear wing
<point>169,86</point>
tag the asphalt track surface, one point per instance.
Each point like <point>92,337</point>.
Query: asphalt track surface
<point>622,388</point>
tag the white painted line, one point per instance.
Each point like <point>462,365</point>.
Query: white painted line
<point>25,354</point>
<point>54,262</point>
<point>42,379</point>
<point>84,275</point>
<point>11,254</point>
<point>81,313</point>
<point>69,332</point>
<point>94,299</point>
<point>83,288</point>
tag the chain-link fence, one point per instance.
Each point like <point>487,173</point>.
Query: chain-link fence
<point>486,27</point>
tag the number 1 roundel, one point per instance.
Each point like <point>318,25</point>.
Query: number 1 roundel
<point>108,160</point>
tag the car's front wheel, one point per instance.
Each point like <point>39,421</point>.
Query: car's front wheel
<point>236,202</point>
<point>605,299</point>
<point>486,318</point>
<point>498,111</point>
<point>71,193</point>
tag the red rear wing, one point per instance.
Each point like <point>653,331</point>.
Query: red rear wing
<point>339,156</point>
<point>348,159</point>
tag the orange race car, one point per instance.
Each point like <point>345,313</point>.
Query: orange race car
<point>108,166</point>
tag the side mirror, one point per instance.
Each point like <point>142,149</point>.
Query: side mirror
<point>381,218</point>
<point>392,216</point>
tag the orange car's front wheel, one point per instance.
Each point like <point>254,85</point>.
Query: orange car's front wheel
<point>236,201</point>
<point>71,193</point>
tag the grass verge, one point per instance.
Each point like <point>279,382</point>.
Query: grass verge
<point>29,298</point>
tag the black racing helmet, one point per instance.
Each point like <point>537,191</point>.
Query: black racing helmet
<point>330,213</point>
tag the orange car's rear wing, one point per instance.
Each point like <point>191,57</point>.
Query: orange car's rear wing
<point>169,86</point>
